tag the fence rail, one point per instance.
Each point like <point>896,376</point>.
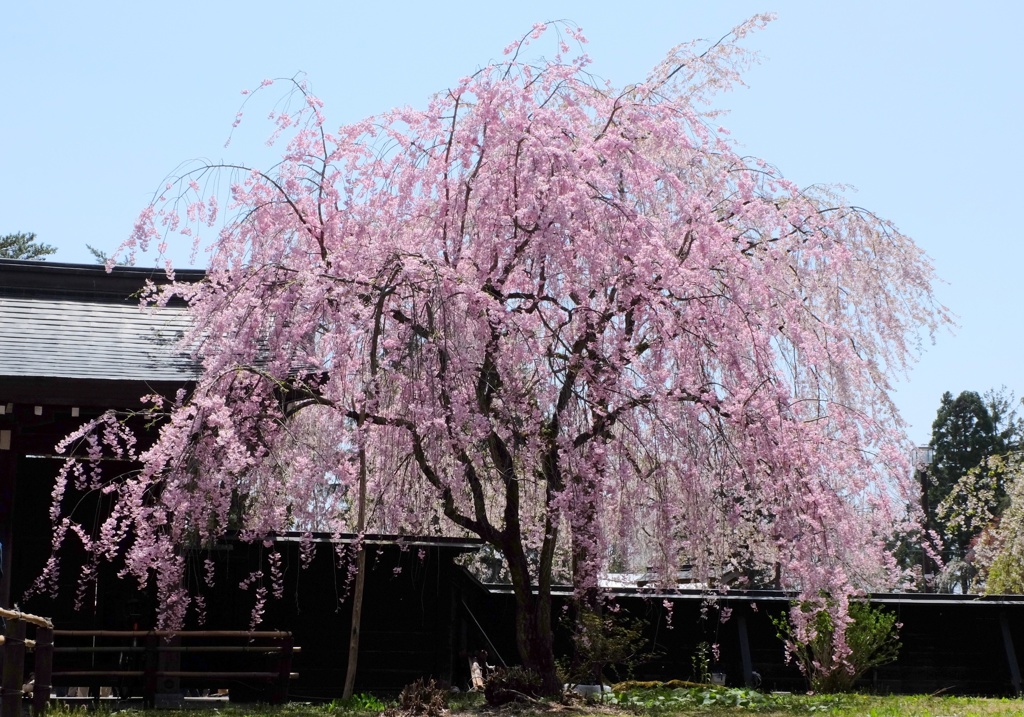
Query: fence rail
<point>154,658</point>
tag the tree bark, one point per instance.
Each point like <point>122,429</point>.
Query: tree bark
<point>357,591</point>
<point>534,638</point>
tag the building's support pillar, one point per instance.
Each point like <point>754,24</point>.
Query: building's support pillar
<point>8,464</point>
<point>1011,654</point>
<point>748,665</point>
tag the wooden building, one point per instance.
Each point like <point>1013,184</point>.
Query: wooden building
<point>75,343</point>
<point>953,644</point>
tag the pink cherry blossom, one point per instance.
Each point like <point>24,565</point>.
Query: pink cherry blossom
<point>566,318</point>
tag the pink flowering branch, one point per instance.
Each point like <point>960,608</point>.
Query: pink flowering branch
<point>567,318</point>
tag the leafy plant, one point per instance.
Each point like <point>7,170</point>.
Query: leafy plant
<point>606,642</point>
<point>665,699</point>
<point>364,701</point>
<point>701,662</point>
<point>872,638</point>
<point>361,702</point>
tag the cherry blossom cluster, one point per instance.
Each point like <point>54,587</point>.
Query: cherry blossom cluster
<point>568,318</point>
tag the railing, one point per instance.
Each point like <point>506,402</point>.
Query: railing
<point>14,643</point>
<point>130,659</point>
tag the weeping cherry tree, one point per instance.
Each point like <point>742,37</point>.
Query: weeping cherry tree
<point>567,318</point>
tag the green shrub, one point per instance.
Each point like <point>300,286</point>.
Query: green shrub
<point>605,643</point>
<point>366,701</point>
<point>701,661</point>
<point>872,637</point>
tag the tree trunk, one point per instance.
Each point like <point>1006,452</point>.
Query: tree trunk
<point>534,638</point>
<point>357,612</point>
<point>586,591</point>
<point>357,592</point>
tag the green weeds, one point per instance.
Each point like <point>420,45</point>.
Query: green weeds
<point>687,701</point>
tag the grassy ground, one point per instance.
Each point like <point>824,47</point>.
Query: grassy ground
<point>701,702</point>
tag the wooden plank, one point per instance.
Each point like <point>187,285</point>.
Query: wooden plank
<point>238,634</point>
<point>118,649</point>
<point>77,674</point>
<point>82,674</point>
<point>225,675</point>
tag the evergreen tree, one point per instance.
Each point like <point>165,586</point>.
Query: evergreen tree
<point>967,430</point>
<point>24,245</point>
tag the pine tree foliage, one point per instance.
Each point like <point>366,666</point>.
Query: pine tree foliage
<point>24,245</point>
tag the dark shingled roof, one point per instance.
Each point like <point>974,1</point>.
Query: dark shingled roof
<point>76,339</point>
<point>62,323</point>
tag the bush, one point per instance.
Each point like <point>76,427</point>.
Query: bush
<point>606,643</point>
<point>872,638</point>
<point>511,684</point>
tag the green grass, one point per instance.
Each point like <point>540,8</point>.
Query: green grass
<point>698,701</point>
<point>710,702</point>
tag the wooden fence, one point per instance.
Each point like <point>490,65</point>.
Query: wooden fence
<point>150,661</point>
<point>15,642</point>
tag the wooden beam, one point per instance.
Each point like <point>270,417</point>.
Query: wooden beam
<point>82,392</point>
<point>8,466</point>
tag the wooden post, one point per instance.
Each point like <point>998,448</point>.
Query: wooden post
<point>748,666</point>
<point>149,680</point>
<point>168,664</point>
<point>14,669</point>
<point>43,670</point>
<point>284,670</point>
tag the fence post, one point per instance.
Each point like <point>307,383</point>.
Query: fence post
<point>14,669</point>
<point>44,670</point>
<point>149,679</point>
<point>284,670</point>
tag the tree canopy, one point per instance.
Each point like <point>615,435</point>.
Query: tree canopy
<point>24,245</point>
<point>967,490</point>
<point>999,548</point>
<point>969,480</point>
<point>568,318</point>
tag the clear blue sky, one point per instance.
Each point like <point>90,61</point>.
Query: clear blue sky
<point>916,104</point>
